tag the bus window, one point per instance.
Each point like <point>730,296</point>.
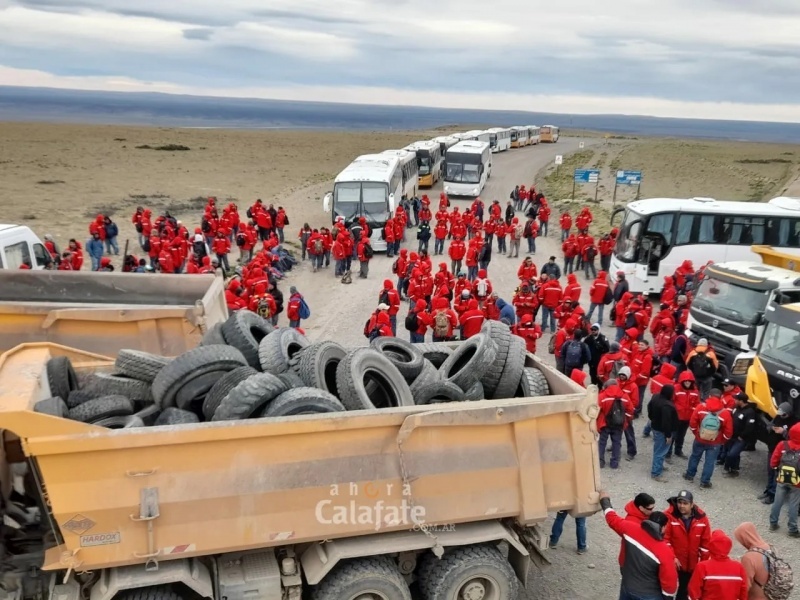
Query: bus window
<point>661,224</point>
<point>17,255</point>
<point>684,233</point>
<point>708,231</point>
<point>42,256</point>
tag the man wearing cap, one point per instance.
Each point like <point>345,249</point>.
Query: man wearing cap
<point>744,432</point>
<point>729,393</point>
<point>688,532</point>
<point>598,346</point>
<point>702,362</point>
<point>551,268</point>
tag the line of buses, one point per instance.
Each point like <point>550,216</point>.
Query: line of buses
<point>373,184</point>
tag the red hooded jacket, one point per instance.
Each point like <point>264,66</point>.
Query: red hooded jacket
<point>686,399</point>
<point>597,293</point>
<point>606,400</point>
<point>472,320</point>
<point>573,289</point>
<point>712,405</point>
<point>719,577</point>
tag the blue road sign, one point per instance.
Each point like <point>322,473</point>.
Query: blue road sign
<point>629,177</point>
<point>587,175</point>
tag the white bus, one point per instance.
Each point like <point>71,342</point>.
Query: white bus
<point>533,134</point>
<point>429,162</point>
<point>499,139</point>
<point>466,168</point>
<point>548,134</point>
<point>446,142</point>
<point>408,164</point>
<point>656,235</point>
<point>467,136</point>
<point>519,137</point>
<point>368,187</point>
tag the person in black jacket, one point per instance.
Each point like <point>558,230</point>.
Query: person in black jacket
<point>664,423</point>
<point>744,431</point>
<point>779,429</point>
<point>598,345</point>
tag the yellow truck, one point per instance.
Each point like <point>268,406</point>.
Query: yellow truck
<point>350,505</point>
<point>104,312</point>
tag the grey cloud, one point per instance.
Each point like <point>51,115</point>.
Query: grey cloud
<point>200,33</point>
<point>287,15</point>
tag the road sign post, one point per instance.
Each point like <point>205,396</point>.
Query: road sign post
<point>586,176</point>
<point>627,178</point>
<point>559,162</point>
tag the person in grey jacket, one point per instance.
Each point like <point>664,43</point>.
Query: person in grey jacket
<point>551,268</point>
<point>95,249</point>
<point>664,423</point>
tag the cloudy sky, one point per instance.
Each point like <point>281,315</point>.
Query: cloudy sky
<point>735,59</point>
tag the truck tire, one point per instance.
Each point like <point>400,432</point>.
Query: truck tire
<point>438,392</point>
<point>291,379</point>
<point>77,397</point>
<point>475,393</point>
<point>303,401</point>
<point>479,571</point>
<point>501,335</point>
<point>213,337</point>
<point>139,365</point>
<point>375,577</point>
<point>101,408</point>
<point>249,398</point>
<point>148,414</point>
<point>157,592</point>
<point>176,416</point>
<point>532,384</point>
<point>512,369</point>
<point>316,365</point>
<point>61,376</point>
<point>429,374</point>
<point>245,330</point>
<point>366,379</point>
<point>470,361</point>
<point>193,393</point>
<point>278,348</point>
<point>189,365</point>
<point>54,406</point>
<point>436,352</point>
<point>223,387</point>
<point>103,384</point>
<point>128,422</point>
<point>403,355</point>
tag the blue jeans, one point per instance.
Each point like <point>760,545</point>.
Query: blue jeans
<point>599,308</point>
<point>620,334</point>
<point>294,323</point>
<point>630,440</point>
<point>501,245</point>
<point>785,494</point>
<point>732,452</point>
<point>393,322</point>
<point>417,338</point>
<point>616,445</point>
<point>96,262</point>
<point>547,313</point>
<point>438,246</point>
<point>531,245</point>
<point>698,449</point>
<point>626,595</point>
<point>564,234</point>
<point>111,244</point>
<point>280,234</point>
<point>589,266</point>
<point>543,228</point>
<point>472,273</point>
<point>568,265</point>
<point>771,483</point>
<point>558,527</point>
<point>660,449</point>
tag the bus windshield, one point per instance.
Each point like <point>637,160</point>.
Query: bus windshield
<point>781,344</point>
<point>424,163</point>
<point>354,199</point>
<point>463,168</point>
<point>730,301</point>
<point>630,234</point>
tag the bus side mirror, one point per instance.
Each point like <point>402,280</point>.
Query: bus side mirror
<point>326,202</point>
<point>759,320</point>
<point>614,214</point>
<point>391,202</point>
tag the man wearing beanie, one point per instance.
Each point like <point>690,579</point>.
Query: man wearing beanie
<point>664,423</point>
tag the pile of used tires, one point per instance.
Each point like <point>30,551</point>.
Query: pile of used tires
<point>245,368</point>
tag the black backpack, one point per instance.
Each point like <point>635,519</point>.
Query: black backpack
<point>616,416</point>
<point>146,245</point>
<point>368,251</point>
<point>702,366</point>
<point>394,266</point>
<point>591,252</point>
<point>199,249</point>
<point>139,228</point>
<point>608,298</point>
<point>412,323</point>
<point>205,226</point>
<point>241,239</point>
<point>384,298</point>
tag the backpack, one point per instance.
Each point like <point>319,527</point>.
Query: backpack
<point>482,288</point>
<point>789,467</point>
<point>608,298</point>
<point>368,251</point>
<point>318,246</point>
<point>591,252</point>
<point>702,369</point>
<point>616,368</point>
<point>574,353</point>
<point>241,239</point>
<point>249,213</point>
<point>395,266</point>
<point>410,269</point>
<point>304,310</point>
<point>262,308</point>
<point>780,581</point>
<point>411,321</point>
<point>384,298</point>
<point>518,231</point>
<point>205,226</point>
<point>551,345</point>
<point>199,249</point>
<point>527,232</point>
<point>615,419</point>
<point>146,245</point>
<point>441,324</point>
<point>139,228</point>
<point>709,427</point>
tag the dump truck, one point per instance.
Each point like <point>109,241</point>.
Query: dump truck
<point>105,312</point>
<point>355,504</point>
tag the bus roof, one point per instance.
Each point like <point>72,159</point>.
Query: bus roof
<point>444,139</point>
<point>428,145</point>
<point>498,129</point>
<point>475,132</point>
<point>707,205</point>
<point>369,167</point>
<point>403,155</point>
<point>520,127</point>
<point>532,126</point>
<point>469,147</point>
<point>551,126</point>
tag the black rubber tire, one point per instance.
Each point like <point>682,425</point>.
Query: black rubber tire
<point>470,361</point>
<point>303,401</point>
<point>501,335</point>
<point>176,416</point>
<point>77,397</point>
<point>54,406</point>
<point>101,408</point>
<point>61,377</point>
<point>404,355</point>
<point>436,352</point>
<point>475,393</point>
<point>148,414</point>
<point>316,365</point>
<point>245,330</point>
<point>249,398</point>
<point>358,577</point>
<point>139,365</point>
<point>278,348</point>
<point>532,384</point>
<point>189,365</point>
<point>214,336</point>
<point>292,380</point>
<point>442,578</point>
<point>157,592</point>
<point>128,422</point>
<point>439,392</point>
<point>223,387</point>
<point>366,379</point>
<point>103,384</point>
<point>193,393</point>
<point>429,375</point>
<point>512,370</point>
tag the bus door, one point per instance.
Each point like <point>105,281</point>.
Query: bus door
<point>650,254</point>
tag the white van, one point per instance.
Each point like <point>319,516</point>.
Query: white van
<point>19,245</point>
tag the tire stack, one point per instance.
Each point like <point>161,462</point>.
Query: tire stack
<point>245,368</point>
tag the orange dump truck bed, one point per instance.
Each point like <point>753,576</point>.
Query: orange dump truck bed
<point>220,487</point>
<point>105,312</point>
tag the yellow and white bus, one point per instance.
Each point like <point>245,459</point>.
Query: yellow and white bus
<point>533,134</point>
<point>499,139</point>
<point>408,163</point>
<point>548,134</point>
<point>429,161</point>
<point>519,137</point>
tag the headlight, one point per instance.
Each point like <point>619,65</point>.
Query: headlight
<point>475,191</point>
<point>741,365</point>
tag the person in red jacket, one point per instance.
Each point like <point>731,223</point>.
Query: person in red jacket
<point>578,377</point>
<point>527,271</point>
<point>165,262</point>
<point>688,532</point>
<point>221,246</point>
<point>597,295</point>
<point>719,577</point>
<point>391,299</point>
<point>606,247</point>
<point>787,490</point>
<point>636,511</point>
<point>712,426</point>
<point>423,321</point>
<point>627,385</point>
<point>570,249</point>
<point>528,331</point>
<point>378,324</point>
<point>364,253</point>
<point>572,291</point>
<point>440,234</point>
<point>389,237</point>
<point>501,232</point>
<point>562,336</point>
<point>481,286</point>
<point>316,248</point>
<point>686,398</point>
<point>642,366</point>
<point>472,320</point>
<point>551,295</point>
<point>614,357</point>
<point>584,219</point>
<point>668,292</point>
<point>293,308</point>
<point>456,252</point>
<point>444,320</point>
<point>264,222</point>
<point>665,376</point>
<point>629,342</point>
<point>461,303</point>
<point>233,296</point>
<point>565,221</point>
<point>262,302</point>
<point>544,218</point>
<point>98,226</point>
<point>525,302</point>
<point>611,396</point>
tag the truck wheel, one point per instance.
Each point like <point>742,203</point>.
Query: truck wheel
<point>103,384</point>
<point>316,365</point>
<point>61,376</point>
<point>429,374</point>
<point>189,365</point>
<point>475,393</point>
<point>193,393</point>
<point>101,408</point>
<point>213,337</point>
<point>512,370</point>
<point>436,352</point>
<point>373,578</point>
<point>438,392</point>
<point>249,398</point>
<point>501,335</point>
<point>176,416</point>
<point>245,330</point>
<point>54,406</point>
<point>158,592</point>
<point>366,379</point>
<point>532,384</point>
<point>223,387</point>
<point>303,401</point>
<point>277,349</point>
<point>468,572</point>
<point>139,365</point>
<point>402,354</point>
<point>470,362</point>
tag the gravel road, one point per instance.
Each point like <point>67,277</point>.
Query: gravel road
<point>340,311</point>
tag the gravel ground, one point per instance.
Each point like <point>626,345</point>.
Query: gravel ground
<point>340,311</point>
